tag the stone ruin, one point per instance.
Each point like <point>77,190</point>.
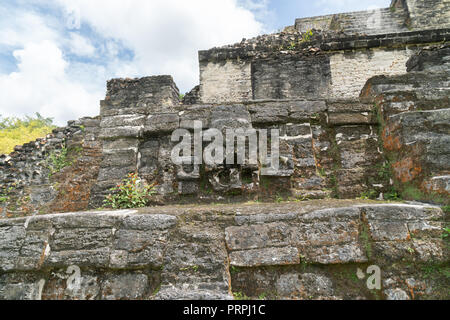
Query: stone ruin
<point>362,104</point>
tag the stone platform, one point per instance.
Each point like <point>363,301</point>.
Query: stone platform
<point>289,250</point>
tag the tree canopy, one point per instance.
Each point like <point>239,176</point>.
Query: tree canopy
<point>17,131</point>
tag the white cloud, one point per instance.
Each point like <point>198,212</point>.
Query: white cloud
<point>165,35</point>
<point>18,27</point>
<point>80,45</point>
<point>162,37</point>
<point>41,85</point>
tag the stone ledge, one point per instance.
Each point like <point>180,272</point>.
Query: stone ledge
<point>166,247</point>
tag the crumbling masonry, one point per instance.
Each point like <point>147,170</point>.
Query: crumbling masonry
<point>362,103</point>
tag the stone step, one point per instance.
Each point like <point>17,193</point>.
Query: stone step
<point>283,250</point>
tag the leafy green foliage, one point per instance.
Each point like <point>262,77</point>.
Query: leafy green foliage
<point>131,193</point>
<point>15,131</point>
<point>240,296</point>
<point>58,160</point>
<point>445,233</point>
<point>392,196</point>
<point>370,194</point>
<point>307,36</point>
<point>3,198</point>
<point>4,194</point>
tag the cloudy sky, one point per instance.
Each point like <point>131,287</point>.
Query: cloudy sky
<point>56,55</point>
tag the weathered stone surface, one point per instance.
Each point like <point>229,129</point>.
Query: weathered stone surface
<point>257,236</point>
<point>191,253</point>
<point>396,294</point>
<point>129,120</point>
<point>333,254</point>
<point>395,212</point>
<point>209,292</point>
<point>265,257</point>
<point>230,116</point>
<point>149,222</point>
<point>348,213</point>
<point>381,231</point>
<point>391,141</point>
<point>122,132</point>
<point>125,286</point>
<point>351,118</point>
<point>162,123</point>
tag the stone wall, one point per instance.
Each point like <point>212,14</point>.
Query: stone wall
<point>403,15</point>
<point>425,14</point>
<point>134,111</point>
<point>279,251</point>
<point>30,183</point>
<point>414,112</point>
<point>378,21</point>
<point>359,115</point>
<point>289,66</point>
<point>330,140</point>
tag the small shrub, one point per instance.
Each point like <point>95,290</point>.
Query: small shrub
<point>240,296</point>
<point>131,193</point>
<point>3,198</point>
<point>58,160</point>
<point>392,195</point>
<point>307,36</point>
<point>445,233</point>
<point>369,195</point>
<point>292,46</point>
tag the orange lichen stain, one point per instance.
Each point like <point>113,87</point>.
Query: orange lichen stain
<point>405,170</point>
<point>429,187</point>
<point>379,100</point>
<point>366,91</point>
<point>390,141</point>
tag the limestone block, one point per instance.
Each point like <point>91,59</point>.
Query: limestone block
<point>265,257</point>
<point>162,123</point>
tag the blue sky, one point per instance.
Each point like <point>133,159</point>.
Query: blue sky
<point>56,55</point>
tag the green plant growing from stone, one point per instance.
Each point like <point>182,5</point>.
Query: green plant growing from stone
<point>234,270</point>
<point>240,296</point>
<point>291,46</point>
<point>445,232</point>
<point>4,198</point>
<point>193,268</point>
<point>365,239</point>
<point>369,195</point>
<point>433,271</point>
<point>58,160</point>
<point>279,199</point>
<point>262,296</point>
<point>306,37</point>
<point>131,193</point>
<point>5,194</point>
<point>392,195</point>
